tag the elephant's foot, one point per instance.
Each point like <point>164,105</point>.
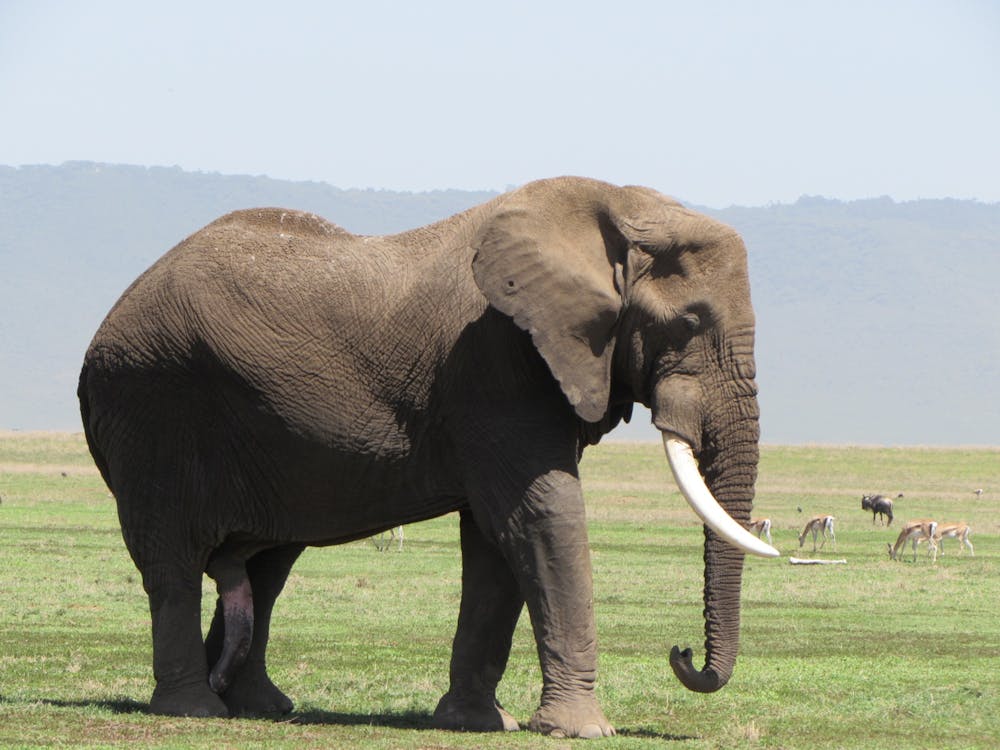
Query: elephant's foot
<point>255,695</point>
<point>192,700</point>
<point>577,717</point>
<point>467,714</point>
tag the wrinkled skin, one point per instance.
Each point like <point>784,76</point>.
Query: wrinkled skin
<point>275,382</point>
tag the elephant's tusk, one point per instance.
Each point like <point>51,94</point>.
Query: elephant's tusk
<point>692,486</point>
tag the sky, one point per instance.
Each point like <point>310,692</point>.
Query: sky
<point>716,103</point>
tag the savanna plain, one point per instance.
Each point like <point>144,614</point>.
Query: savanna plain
<point>872,653</point>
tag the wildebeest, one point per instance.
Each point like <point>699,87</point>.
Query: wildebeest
<point>879,505</point>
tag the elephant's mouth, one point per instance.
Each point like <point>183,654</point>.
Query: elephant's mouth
<point>682,462</point>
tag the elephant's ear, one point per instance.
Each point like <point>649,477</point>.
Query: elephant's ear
<point>547,259</point>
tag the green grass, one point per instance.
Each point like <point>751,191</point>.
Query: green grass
<point>871,654</point>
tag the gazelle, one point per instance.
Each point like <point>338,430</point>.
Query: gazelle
<point>760,526</point>
<point>923,529</point>
<point>818,525</point>
<point>382,544</point>
<point>958,531</point>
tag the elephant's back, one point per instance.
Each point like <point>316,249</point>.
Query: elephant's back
<point>278,307</point>
<point>250,261</point>
<point>261,223</point>
<point>268,344</point>
<point>218,292</point>
<point>277,240</point>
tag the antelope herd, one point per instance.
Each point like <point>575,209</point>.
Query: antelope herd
<point>921,530</point>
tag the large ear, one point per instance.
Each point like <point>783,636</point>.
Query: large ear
<point>548,259</point>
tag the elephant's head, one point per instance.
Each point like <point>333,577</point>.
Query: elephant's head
<point>629,297</point>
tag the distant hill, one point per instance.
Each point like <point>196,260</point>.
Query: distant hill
<point>878,322</point>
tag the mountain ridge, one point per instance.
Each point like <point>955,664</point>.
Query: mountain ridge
<point>877,320</point>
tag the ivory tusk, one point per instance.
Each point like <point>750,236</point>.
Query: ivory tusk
<point>692,486</point>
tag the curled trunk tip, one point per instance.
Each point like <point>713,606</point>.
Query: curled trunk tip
<point>704,681</point>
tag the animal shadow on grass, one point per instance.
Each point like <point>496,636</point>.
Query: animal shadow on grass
<point>423,720</point>
<point>404,720</point>
<point>115,706</point>
<point>651,734</point>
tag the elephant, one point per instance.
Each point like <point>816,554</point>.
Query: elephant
<point>275,382</point>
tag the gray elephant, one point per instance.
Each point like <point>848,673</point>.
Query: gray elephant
<point>275,381</point>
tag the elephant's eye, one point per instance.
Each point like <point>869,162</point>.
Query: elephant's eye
<point>691,323</point>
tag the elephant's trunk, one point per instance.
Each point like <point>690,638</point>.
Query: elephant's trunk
<point>722,620</point>
<point>729,465</point>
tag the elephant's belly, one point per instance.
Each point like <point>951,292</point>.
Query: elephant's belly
<point>348,528</point>
<point>335,496</point>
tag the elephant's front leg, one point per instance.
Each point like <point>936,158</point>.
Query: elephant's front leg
<point>546,543</point>
<point>491,605</point>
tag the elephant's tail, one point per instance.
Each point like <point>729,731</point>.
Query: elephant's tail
<point>88,428</point>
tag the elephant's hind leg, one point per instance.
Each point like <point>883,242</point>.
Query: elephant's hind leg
<point>491,605</point>
<point>251,691</point>
<point>179,664</point>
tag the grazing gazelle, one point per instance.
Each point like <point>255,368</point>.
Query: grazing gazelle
<point>818,525</point>
<point>760,526</point>
<point>382,544</point>
<point>923,529</point>
<point>958,531</point>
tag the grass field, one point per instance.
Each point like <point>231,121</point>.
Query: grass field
<point>871,654</point>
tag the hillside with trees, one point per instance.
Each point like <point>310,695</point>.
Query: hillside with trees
<point>877,321</point>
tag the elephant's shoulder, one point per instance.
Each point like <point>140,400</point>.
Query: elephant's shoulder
<point>280,220</point>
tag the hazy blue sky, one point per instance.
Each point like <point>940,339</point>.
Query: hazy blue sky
<point>714,102</point>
